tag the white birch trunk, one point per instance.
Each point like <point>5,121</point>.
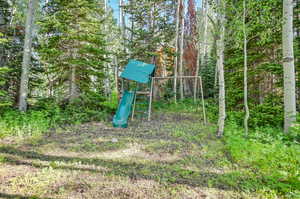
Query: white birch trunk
<point>220,64</point>
<point>205,7</point>
<point>120,13</point>
<point>176,51</point>
<point>245,72</point>
<point>26,55</point>
<point>106,65</point>
<point>288,66</point>
<point>181,50</point>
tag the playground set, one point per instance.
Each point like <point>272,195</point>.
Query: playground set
<point>137,91</point>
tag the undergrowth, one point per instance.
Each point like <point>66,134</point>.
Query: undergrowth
<point>48,113</point>
<point>267,161</point>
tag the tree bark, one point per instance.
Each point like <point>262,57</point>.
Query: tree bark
<point>205,10</point>
<point>220,64</point>
<point>176,51</point>
<point>181,49</point>
<point>73,89</point>
<point>245,72</point>
<point>288,66</point>
<point>200,55</point>
<point>26,55</point>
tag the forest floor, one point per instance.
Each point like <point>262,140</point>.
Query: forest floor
<point>173,156</point>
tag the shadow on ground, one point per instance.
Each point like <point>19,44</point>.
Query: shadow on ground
<point>162,173</point>
<point>14,196</point>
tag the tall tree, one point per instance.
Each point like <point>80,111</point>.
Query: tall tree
<point>201,55</point>
<point>27,55</point>
<point>288,65</point>
<point>220,64</point>
<point>153,27</point>
<point>181,49</point>
<point>205,12</point>
<point>245,71</point>
<point>176,51</point>
<point>73,46</point>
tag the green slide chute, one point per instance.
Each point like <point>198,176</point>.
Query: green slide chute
<point>121,117</point>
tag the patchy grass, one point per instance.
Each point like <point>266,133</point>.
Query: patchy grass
<point>173,156</point>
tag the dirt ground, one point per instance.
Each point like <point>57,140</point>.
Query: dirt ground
<point>173,156</point>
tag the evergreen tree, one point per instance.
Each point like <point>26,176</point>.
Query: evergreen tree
<point>153,27</point>
<point>72,47</point>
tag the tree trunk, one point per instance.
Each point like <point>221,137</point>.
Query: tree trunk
<point>176,51</point>
<point>245,72</point>
<point>181,49</point>
<point>205,10</point>
<point>73,89</point>
<point>26,55</point>
<point>220,64</point>
<point>107,69</point>
<point>288,66</point>
<point>120,13</point>
<point>116,76</point>
<point>200,55</point>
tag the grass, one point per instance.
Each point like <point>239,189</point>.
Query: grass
<point>173,156</point>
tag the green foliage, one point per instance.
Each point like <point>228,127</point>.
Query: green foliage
<point>153,26</point>
<point>21,124</point>
<point>208,78</point>
<point>111,104</point>
<point>260,115</point>
<point>48,113</point>
<point>275,164</point>
<point>4,98</point>
<point>73,42</point>
<point>269,159</point>
<point>263,29</point>
<point>183,106</point>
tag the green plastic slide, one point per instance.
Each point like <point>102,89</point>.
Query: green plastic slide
<point>121,117</point>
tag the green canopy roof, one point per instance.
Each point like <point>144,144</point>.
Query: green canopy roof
<point>138,71</point>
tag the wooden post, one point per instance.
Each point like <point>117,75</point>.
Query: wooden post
<point>203,104</point>
<point>195,88</point>
<point>151,96</point>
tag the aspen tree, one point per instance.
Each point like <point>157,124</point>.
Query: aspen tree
<point>245,71</point>
<point>288,66</point>
<point>220,65</point>
<point>176,51</point>
<point>27,55</point>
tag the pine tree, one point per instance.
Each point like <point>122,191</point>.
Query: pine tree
<point>153,27</point>
<point>73,46</point>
